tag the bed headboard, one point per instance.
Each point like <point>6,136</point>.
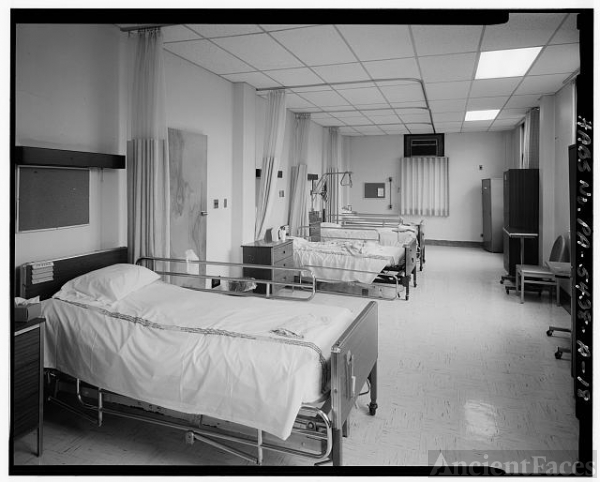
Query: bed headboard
<point>65,269</point>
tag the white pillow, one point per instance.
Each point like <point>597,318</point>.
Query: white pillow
<point>109,284</point>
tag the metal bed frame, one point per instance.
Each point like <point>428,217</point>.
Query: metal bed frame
<point>391,276</point>
<point>353,366</point>
<point>366,221</point>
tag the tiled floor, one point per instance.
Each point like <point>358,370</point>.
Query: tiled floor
<point>462,366</point>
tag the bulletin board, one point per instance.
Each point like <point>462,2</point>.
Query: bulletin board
<point>375,190</point>
<point>51,197</point>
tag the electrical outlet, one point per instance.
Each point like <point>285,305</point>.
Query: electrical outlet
<point>225,202</point>
<point>281,193</point>
<point>481,167</point>
<point>216,204</point>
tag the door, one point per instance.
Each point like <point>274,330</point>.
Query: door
<point>187,171</point>
<point>486,202</point>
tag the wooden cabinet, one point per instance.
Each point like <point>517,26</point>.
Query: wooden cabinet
<point>269,253</point>
<point>27,380</point>
<point>521,212</point>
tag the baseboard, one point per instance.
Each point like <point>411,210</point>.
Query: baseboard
<point>461,244</point>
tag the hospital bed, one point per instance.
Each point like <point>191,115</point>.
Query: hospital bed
<point>229,368</point>
<point>362,266</point>
<point>385,224</point>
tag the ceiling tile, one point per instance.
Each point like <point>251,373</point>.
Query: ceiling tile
<point>260,50</point>
<point>329,121</point>
<point>374,106</point>
<point>376,42</point>
<point>408,92</point>
<point>318,88</point>
<point>321,45</point>
<point>345,113</point>
<point>420,129</point>
<point>324,98</point>
<point>283,26</point>
<point>209,56</point>
<point>556,59</point>
<point>369,130</point>
<point>336,108</point>
<point>176,33</point>
<point>342,73</point>
<point>541,84</point>
<point>440,39</point>
<point>447,105</point>
<point>484,103</point>
<point>385,119</point>
<point>512,114</point>
<point>404,105</point>
<point>411,110</point>
<point>394,129</point>
<point>448,117</point>
<point>445,68</point>
<point>257,80</point>
<point>505,122</point>
<point>353,85</point>
<point>522,30</point>
<point>393,69</point>
<point>319,115</point>
<point>448,126</point>
<point>413,118</point>
<point>520,101</point>
<point>568,32</point>
<point>357,120</point>
<point>347,130</point>
<point>369,95</point>
<point>476,125</point>
<point>494,87</point>
<point>377,113</point>
<point>447,90</point>
<point>294,100</point>
<point>293,77</point>
<point>223,30</point>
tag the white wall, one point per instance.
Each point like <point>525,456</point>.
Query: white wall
<point>68,96</point>
<point>375,158</point>
<point>201,102</point>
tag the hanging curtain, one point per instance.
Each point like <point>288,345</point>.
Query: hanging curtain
<point>299,185</point>
<point>274,131</point>
<point>531,140</point>
<point>148,153</point>
<point>333,165</point>
<point>424,186</point>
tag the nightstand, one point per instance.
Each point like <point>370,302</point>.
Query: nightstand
<point>269,253</point>
<point>28,380</point>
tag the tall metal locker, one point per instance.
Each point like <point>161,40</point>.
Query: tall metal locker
<point>521,211</point>
<point>493,214</point>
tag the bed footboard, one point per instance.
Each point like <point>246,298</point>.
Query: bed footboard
<point>353,361</point>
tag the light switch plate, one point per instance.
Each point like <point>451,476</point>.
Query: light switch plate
<point>216,204</point>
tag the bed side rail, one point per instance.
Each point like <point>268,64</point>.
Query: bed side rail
<point>353,361</point>
<point>300,283</point>
<point>373,220</point>
<point>328,233</point>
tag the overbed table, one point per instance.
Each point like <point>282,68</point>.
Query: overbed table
<point>522,234</point>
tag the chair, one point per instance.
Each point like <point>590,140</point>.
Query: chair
<point>527,274</point>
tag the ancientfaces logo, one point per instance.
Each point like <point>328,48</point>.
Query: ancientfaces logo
<point>513,462</point>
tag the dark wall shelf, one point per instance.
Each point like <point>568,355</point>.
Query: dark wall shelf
<point>40,156</point>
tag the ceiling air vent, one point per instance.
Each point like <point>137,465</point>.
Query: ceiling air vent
<point>423,145</point>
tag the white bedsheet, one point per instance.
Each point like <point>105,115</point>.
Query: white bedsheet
<point>246,360</point>
<point>359,261</point>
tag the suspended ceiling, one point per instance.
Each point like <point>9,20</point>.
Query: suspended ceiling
<point>388,79</point>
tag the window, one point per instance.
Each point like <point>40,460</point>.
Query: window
<point>424,186</point>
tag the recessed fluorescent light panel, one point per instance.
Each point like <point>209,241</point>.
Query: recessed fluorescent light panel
<point>505,63</point>
<point>481,115</point>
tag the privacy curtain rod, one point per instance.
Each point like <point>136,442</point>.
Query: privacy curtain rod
<point>402,79</point>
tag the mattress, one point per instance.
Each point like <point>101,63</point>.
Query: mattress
<point>246,360</point>
<point>348,261</point>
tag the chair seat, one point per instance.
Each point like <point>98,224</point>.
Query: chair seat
<point>531,270</point>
